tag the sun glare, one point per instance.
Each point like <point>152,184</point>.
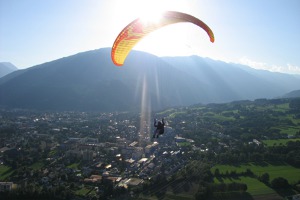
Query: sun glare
<point>151,17</point>
<point>147,9</point>
<point>173,40</point>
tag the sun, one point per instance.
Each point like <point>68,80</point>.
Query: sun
<point>147,9</point>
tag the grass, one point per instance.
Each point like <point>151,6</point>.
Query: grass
<point>178,197</point>
<point>176,114</point>
<point>279,141</point>
<point>275,170</point>
<point>184,144</point>
<point>37,165</point>
<point>169,194</point>
<point>84,191</point>
<point>291,117</point>
<point>288,129</point>
<point>219,117</point>
<point>166,112</point>
<point>281,107</point>
<point>74,166</point>
<point>5,172</point>
<point>52,152</point>
<point>254,186</point>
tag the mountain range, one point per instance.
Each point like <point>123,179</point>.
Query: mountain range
<point>292,94</point>
<point>6,68</point>
<point>89,81</point>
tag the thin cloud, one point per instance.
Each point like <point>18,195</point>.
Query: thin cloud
<point>289,68</point>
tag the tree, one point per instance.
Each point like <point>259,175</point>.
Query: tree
<point>280,183</point>
<point>217,172</point>
<point>202,193</point>
<point>295,105</point>
<point>264,178</point>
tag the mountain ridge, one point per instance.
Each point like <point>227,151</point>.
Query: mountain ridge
<point>6,68</point>
<point>89,81</point>
<point>292,94</point>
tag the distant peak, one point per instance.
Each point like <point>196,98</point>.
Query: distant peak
<point>8,65</point>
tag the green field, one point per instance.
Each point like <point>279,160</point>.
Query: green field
<point>74,166</point>
<point>279,141</point>
<point>184,144</point>
<point>5,172</point>
<point>52,152</point>
<point>168,193</point>
<point>86,190</point>
<point>223,117</point>
<point>83,191</point>
<point>289,130</point>
<point>286,171</point>
<point>176,114</point>
<point>37,165</point>
<point>255,187</point>
<point>281,107</point>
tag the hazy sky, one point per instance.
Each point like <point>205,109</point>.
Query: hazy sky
<point>261,33</point>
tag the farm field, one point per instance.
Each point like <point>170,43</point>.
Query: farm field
<point>180,193</point>
<point>286,171</point>
<point>255,187</point>
<point>5,172</point>
<point>279,141</point>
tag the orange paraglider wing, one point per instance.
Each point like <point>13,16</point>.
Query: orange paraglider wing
<point>137,29</point>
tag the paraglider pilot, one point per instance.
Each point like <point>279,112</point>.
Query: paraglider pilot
<point>159,128</point>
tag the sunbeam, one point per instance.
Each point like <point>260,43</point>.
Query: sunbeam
<point>145,112</point>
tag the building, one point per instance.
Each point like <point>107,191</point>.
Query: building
<point>149,149</point>
<point>179,139</point>
<point>137,153</point>
<point>87,155</point>
<point>6,186</point>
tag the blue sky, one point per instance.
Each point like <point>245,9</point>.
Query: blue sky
<point>261,33</point>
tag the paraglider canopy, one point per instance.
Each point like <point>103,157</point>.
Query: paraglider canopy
<point>139,28</point>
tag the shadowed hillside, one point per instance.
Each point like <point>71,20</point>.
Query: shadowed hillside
<point>89,81</point>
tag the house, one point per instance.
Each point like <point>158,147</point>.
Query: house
<point>6,186</point>
<point>137,153</point>
<point>3,149</point>
<point>114,180</point>
<point>134,181</point>
<point>93,179</point>
<point>256,142</point>
<point>87,155</point>
<point>296,197</point>
<point>129,162</point>
<point>149,149</point>
<point>142,161</point>
<point>131,182</point>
